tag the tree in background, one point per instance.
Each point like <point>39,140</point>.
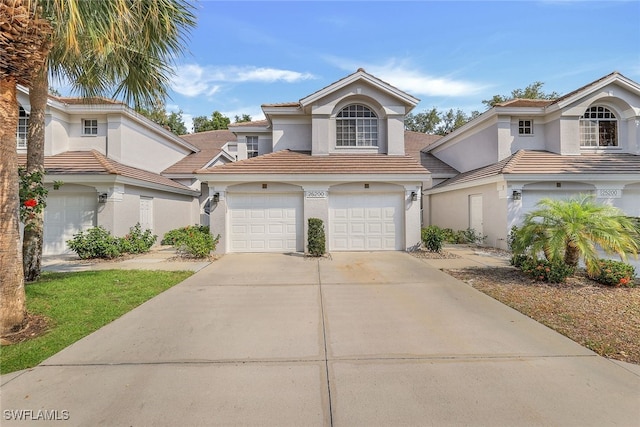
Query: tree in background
<point>24,45</point>
<point>158,113</point>
<point>437,122</point>
<point>117,48</point>
<point>218,121</point>
<point>242,119</point>
<point>533,91</point>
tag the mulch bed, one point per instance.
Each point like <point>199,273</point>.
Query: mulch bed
<point>35,325</point>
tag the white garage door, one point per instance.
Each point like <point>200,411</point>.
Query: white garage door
<point>64,216</point>
<point>366,222</point>
<point>265,222</point>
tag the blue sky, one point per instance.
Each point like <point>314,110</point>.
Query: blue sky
<point>449,54</point>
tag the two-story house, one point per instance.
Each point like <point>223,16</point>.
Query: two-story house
<point>338,155</point>
<point>110,160</point>
<point>518,152</point>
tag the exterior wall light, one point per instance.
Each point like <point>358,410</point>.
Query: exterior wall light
<point>102,197</point>
<point>414,196</point>
<point>216,197</point>
<point>517,195</point>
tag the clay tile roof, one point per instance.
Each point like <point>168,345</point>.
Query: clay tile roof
<point>252,123</point>
<point>94,163</point>
<point>82,101</point>
<point>210,144</point>
<point>282,104</point>
<point>519,102</point>
<point>547,163</point>
<point>291,162</point>
<point>414,142</point>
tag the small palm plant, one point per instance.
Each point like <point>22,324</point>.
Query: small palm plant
<point>569,230</point>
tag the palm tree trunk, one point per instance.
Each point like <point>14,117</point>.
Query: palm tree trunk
<point>12,295</point>
<point>571,254</point>
<point>34,226</point>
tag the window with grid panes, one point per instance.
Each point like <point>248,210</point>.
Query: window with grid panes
<point>525,127</point>
<point>598,128</point>
<point>23,128</point>
<point>252,146</point>
<point>356,126</point>
<point>89,127</point>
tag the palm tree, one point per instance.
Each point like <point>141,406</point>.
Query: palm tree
<point>115,48</point>
<point>24,45</point>
<point>574,229</point>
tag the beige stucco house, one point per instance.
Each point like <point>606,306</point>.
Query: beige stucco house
<point>110,160</point>
<point>340,154</point>
<point>518,152</point>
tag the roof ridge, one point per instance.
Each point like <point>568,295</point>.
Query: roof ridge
<point>104,161</point>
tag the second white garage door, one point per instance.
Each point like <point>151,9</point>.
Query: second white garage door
<point>66,214</point>
<point>265,222</point>
<point>366,222</point>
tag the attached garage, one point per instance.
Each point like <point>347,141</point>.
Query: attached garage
<point>266,222</point>
<point>67,214</point>
<point>366,222</point>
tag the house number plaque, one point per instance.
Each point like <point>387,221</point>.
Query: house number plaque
<point>316,194</point>
<point>605,193</point>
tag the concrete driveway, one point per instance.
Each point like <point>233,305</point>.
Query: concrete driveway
<point>362,339</point>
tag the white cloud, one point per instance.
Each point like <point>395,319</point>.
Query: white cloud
<point>405,76</point>
<point>192,79</point>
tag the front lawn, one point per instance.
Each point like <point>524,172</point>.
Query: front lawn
<point>77,304</point>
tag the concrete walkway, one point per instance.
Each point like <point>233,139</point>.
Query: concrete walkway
<point>358,339</point>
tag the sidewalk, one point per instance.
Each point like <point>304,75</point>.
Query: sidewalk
<point>469,256</point>
<point>159,258</point>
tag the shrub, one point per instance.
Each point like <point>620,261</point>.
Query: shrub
<point>545,271</point>
<point>470,235</point>
<point>316,237</point>
<point>137,241</point>
<point>433,237</point>
<point>614,273</point>
<point>96,242</point>
<point>193,241</point>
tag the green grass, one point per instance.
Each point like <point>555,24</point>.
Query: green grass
<point>77,304</point>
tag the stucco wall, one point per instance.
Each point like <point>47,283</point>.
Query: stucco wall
<point>472,151</point>
<point>292,134</point>
<point>451,210</point>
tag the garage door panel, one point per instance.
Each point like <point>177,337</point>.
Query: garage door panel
<point>366,222</point>
<point>66,214</point>
<point>268,223</point>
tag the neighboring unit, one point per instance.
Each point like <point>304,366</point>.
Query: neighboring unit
<point>520,151</point>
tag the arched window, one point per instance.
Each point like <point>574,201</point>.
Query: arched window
<point>23,128</point>
<point>598,128</point>
<point>356,126</point>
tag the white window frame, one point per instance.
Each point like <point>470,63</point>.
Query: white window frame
<point>89,127</point>
<point>593,132</point>
<point>252,146</point>
<point>356,126</point>
<point>23,129</point>
<point>525,127</point>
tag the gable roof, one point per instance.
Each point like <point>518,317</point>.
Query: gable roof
<point>540,163</point>
<point>94,163</point>
<point>210,144</point>
<point>360,74</point>
<point>298,163</point>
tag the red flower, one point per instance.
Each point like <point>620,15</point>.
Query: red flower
<point>31,203</point>
<point>625,281</point>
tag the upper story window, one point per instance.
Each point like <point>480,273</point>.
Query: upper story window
<point>252,146</point>
<point>598,128</point>
<point>356,126</point>
<point>23,128</point>
<point>525,127</point>
<point>89,127</point>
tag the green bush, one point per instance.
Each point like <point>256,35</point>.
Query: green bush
<point>545,271</point>
<point>96,242</point>
<point>433,237</point>
<point>137,241</point>
<point>316,237</point>
<point>614,273</point>
<point>193,241</point>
